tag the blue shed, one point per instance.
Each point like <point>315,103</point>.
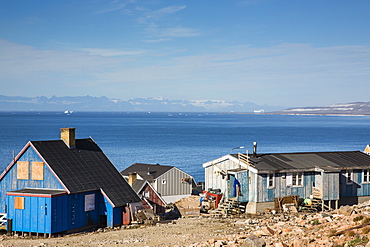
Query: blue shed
<point>63,186</point>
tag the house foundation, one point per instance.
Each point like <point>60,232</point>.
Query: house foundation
<point>259,207</point>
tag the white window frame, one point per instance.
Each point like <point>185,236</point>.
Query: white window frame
<point>146,194</point>
<point>349,177</point>
<point>295,179</point>
<point>271,180</point>
<point>366,174</point>
<point>164,181</point>
<point>299,178</point>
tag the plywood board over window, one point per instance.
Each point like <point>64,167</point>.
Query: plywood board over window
<point>19,202</point>
<point>37,171</point>
<point>22,170</point>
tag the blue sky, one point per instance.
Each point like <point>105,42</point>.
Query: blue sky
<point>275,52</point>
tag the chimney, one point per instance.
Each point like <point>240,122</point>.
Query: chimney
<point>68,136</point>
<point>255,149</point>
<point>131,178</point>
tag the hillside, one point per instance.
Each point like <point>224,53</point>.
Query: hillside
<point>356,108</point>
<point>347,226</point>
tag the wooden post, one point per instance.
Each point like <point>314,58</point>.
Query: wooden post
<point>10,226</point>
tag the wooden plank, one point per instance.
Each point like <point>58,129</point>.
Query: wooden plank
<point>37,171</point>
<point>22,170</point>
<point>19,202</point>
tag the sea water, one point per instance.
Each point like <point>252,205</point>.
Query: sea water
<point>185,140</point>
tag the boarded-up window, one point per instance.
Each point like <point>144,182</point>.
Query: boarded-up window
<point>37,171</point>
<point>22,170</point>
<point>19,202</point>
<point>90,202</point>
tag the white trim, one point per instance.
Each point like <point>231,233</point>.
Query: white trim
<point>349,174</point>
<point>290,176</point>
<point>216,161</point>
<point>368,176</point>
<point>154,190</point>
<point>268,180</point>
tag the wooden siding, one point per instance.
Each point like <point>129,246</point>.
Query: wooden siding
<point>174,184</point>
<point>356,188</point>
<point>54,214</point>
<point>35,217</point>
<point>213,179</point>
<point>280,189</point>
<point>158,205</point>
<point>10,182</point>
<point>330,188</point>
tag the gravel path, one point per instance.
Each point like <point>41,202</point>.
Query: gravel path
<point>181,232</point>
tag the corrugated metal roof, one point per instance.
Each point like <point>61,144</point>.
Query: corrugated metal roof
<point>309,161</point>
<point>86,168</point>
<point>147,171</point>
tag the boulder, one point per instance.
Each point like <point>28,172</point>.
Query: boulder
<point>253,241</point>
<point>345,210</point>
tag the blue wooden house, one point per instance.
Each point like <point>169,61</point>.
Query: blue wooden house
<point>63,186</point>
<point>337,178</point>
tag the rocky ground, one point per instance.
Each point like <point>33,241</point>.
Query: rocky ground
<point>347,226</point>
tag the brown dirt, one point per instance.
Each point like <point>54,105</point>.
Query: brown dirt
<point>181,232</point>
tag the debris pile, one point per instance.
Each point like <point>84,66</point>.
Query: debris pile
<point>347,226</point>
<point>189,206</point>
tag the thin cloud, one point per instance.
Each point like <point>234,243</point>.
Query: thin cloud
<point>160,13</point>
<point>111,52</point>
<point>113,6</point>
<point>178,32</point>
<point>281,71</point>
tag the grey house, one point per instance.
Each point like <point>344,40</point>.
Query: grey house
<point>170,182</point>
<point>338,178</point>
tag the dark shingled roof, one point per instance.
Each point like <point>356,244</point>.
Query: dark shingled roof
<point>86,168</point>
<point>328,161</point>
<point>138,184</point>
<point>146,171</point>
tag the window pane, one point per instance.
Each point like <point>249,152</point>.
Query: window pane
<point>271,180</point>
<point>300,178</point>
<point>349,177</point>
<point>294,179</point>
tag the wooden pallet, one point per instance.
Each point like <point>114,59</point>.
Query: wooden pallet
<point>227,208</point>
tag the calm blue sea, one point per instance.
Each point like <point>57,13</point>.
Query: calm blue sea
<point>185,140</point>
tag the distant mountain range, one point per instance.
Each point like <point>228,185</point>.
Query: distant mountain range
<point>89,103</point>
<point>356,108</point>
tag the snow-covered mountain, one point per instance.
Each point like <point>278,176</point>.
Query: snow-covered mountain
<point>89,103</point>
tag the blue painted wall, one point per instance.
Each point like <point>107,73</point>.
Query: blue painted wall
<point>54,214</point>
<point>356,188</point>
<point>35,217</point>
<point>10,182</point>
<point>61,213</point>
